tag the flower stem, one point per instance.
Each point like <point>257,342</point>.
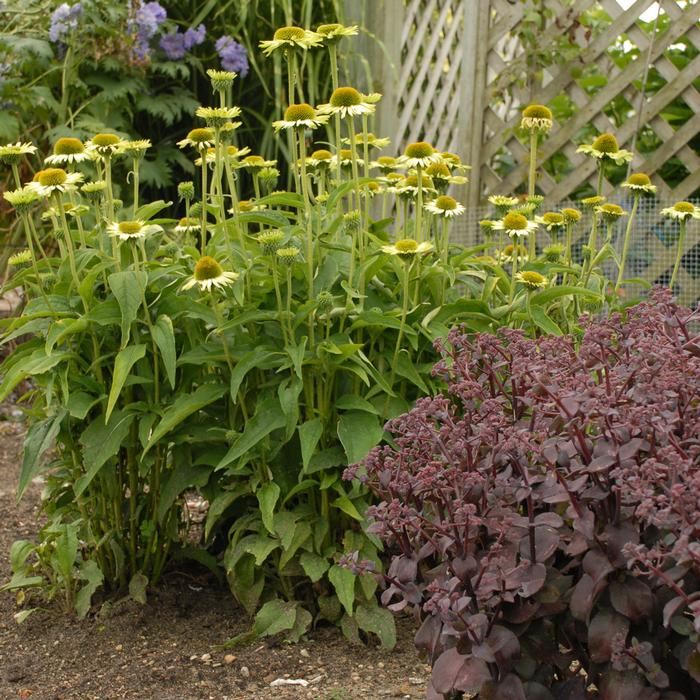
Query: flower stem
<point>204,201</point>
<point>419,204</point>
<point>679,254</point>
<point>626,243</point>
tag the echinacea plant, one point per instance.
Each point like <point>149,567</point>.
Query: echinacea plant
<point>543,511</point>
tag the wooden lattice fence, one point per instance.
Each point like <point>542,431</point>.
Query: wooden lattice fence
<point>443,68</point>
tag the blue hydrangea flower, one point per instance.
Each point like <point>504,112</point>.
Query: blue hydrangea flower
<point>233,55</point>
<point>64,19</point>
<point>144,23</point>
<point>194,37</point>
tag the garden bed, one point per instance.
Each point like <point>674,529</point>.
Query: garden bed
<point>159,650</point>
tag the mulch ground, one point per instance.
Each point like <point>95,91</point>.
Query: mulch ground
<point>166,650</point>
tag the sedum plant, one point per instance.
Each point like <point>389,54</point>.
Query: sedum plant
<point>543,511</point>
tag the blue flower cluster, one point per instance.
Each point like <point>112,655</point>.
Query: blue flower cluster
<point>64,19</point>
<point>177,43</point>
<point>144,22</point>
<point>233,55</point>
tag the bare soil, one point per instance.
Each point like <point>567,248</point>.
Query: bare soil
<point>166,650</point>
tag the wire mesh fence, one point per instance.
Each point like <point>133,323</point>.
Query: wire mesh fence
<point>652,250</point>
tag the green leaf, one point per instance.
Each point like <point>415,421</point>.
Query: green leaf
<point>37,363</point>
<point>268,417</point>
<point>301,532</point>
<point>344,583</point>
<point>267,499</point>
<point>379,621</point>
<point>100,442</point>
<point>359,432</point>
<point>79,404</point>
<point>260,547</point>
<point>89,572</point>
<point>183,407</point>
<point>128,288</point>
<point>123,363</point>
<point>40,437</point>
<point>351,402</point>
<point>274,617</point>
<point>406,369</point>
<point>164,336</point>
<point>309,435</point>
<point>348,507</point>
<point>314,566</point>
<point>220,504</point>
<point>543,321</point>
<point>255,358</point>
<point>550,294</point>
<point>137,587</point>
<point>148,211</point>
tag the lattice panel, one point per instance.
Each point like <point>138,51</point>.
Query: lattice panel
<point>430,72</point>
<point>503,98</point>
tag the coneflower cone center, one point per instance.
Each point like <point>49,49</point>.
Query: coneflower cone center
<point>299,112</point>
<point>515,222</point>
<point>420,149</point>
<point>445,203</point>
<point>537,112</point>
<point>289,33</point>
<point>345,97</point>
<point>68,146</point>
<point>105,139</point>
<point>685,207</point>
<point>52,177</point>
<point>606,143</point>
<point>406,245</point>
<point>207,269</point>
<point>129,227</point>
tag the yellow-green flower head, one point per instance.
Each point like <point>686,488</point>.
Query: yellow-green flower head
<point>347,102</point>
<point>21,259</point>
<point>344,155</point>
<point>217,117</point>
<point>135,149</point>
<point>409,185</point>
<point>610,212</point>
<point>531,280</point>
<point>51,180</point>
<point>606,147</point>
<point>438,171</point>
<point>352,221</point>
<point>188,225</point>
<point>554,252</point>
<point>68,150</point>
<point>682,211</point>
<point>256,163</point>
<point>270,241</point>
<point>94,190</point>
<point>132,230</point>
<point>371,188</point>
<point>209,275</point>
<point>291,39</point>
<point>370,140</point>
<point>592,202</point>
<point>407,248</point>
<point>639,183</point>
<point>486,225</point>
<point>536,118</point>
<point>200,139</point>
<point>288,256</point>
<point>325,300</point>
<point>185,190</point>
<point>320,159</point>
<point>22,199</point>
<point>322,154</point>
<point>511,252</point>
<point>333,33</point>
<point>445,206</point>
<point>420,155</point>
<point>300,116</point>
<point>551,220</point>
<point>387,164</point>
<point>269,176</point>
<point>12,153</point>
<point>248,205</point>
<point>105,145</point>
<point>454,162</point>
<point>571,215</point>
<point>503,202</point>
<point>221,79</point>
<point>516,225</point>
<point>231,153</point>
